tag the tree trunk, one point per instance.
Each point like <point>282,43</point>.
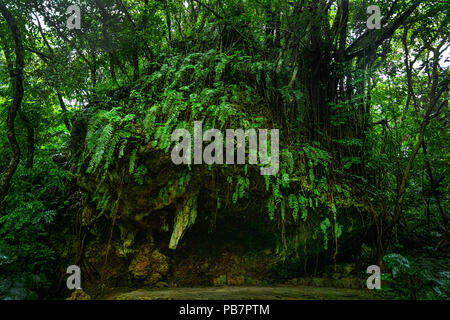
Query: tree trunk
<point>30,140</point>
<point>15,105</point>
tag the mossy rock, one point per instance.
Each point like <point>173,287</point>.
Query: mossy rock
<point>348,283</point>
<point>236,281</point>
<point>147,263</point>
<point>162,284</point>
<point>220,281</point>
<point>251,282</point>
<point>306,282</point>
<point>79,294</point>
<point>153,279</point>
<point>318,282</point>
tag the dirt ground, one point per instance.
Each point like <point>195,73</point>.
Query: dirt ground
<point>280,292</point>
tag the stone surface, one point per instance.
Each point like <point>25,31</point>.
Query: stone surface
<point>184,218</point>
<point>281,292</point>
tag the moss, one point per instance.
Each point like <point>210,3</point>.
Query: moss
<point>87,216</point>
<point>236,281</point>
<point>153,279</point>
<point>162,284</point>
<point>149,265</point>
<point>125,247</point>
<point>220,281</point>
<point>79,294</point>
<point>318,282</point>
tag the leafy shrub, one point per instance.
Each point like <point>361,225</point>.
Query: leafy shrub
<point>26,259</point>
<point>409,279</point>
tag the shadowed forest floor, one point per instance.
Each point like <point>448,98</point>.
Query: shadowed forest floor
<point>279,292</point>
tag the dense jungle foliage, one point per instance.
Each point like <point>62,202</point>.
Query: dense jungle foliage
<point>87,114</point>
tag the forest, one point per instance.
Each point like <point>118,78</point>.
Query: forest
<point>314,155</point>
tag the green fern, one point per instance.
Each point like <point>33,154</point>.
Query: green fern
<point>141,171</point>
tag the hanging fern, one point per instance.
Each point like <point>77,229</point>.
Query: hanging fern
<point>141,171</point>
<point>293,204</point>
<point>101,146</point>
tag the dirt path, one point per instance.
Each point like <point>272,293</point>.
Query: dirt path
<point>281,292</point>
